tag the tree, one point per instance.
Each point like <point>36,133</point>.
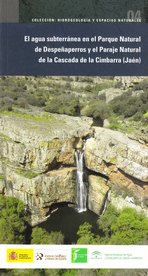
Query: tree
<point>85,235</point>
<point>64,104</point>
<point>96,109</point>
<point>106,221</point>
<point>130,228</point>
<point>41,236</point>
<point>124,227</point>
<point>13,221</point>
<point>35,272</point>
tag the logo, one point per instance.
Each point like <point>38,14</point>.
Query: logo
<point>13,256</point>
<point>79,255</point>
<point>39,256</point>
<point>50,257</point>
<point>96,255</point>
<point>20,255</point>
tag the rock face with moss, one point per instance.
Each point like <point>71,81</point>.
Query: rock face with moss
<point>123,161</point>
<point>37,163</point>
<point>40,192</point>
<point>37,159</point>
<point>41,142</point>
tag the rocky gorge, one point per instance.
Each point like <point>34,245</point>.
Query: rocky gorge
<point>37,163</point>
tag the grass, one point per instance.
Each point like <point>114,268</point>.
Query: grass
<point>4,137</point>
<point>26,173</point>
<point>145,115</point>
<point>129,126</point>
<point>47,118</point>
<point>2,177</point>
<point>122,127</point>
<point>114,126</point>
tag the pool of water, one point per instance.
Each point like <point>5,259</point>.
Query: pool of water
<point>67,220</point>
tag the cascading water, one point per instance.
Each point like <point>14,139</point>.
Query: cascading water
<point>81,188</point>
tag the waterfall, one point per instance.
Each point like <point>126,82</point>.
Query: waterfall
<point>81,188</point>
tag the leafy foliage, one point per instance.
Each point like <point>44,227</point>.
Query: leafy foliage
<point>96,109</point>
<point>63,96</point>
<point>35,272</point>
<point>106,221</point>
<point>130,228</point>
<point>41,236</point>
<point>85,235</point>
<point>129,105</point>
<point>116,227</point>
<point>12,221</point>
<point>63,104</point>
<point>124,227</point>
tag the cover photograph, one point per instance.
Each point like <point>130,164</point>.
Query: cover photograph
<point>73,137</point>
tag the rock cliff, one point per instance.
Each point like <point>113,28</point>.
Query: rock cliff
<point>97,193</point>
<point>37,163</point>
<point>122,161</point>
<point>37,159</point>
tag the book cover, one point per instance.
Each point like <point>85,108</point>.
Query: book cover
<point>73,137</point>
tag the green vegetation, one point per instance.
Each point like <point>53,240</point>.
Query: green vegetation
<point>2,177</point>
<point>85,236</point>
<point>80,272</point>
<point>27,173</point>
<point>129,105</point>
<point>74,272</point>
<point>35,272</point>
<point>124,227</point>
<point>106,83</point>
<point>130,228</point>
<point>96,109</point>
<point>27,116</point>
<point>127,112</point>
<point>13,225</point>
<point>64,104</point>
<point>117,227</point>
<point>41,236</point>
<point>13,221</point>
<point>86,97</point>
<point>4,137</point>
<point>52,96</point>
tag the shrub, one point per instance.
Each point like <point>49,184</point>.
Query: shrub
<point>128,105</point>
<point>96,109</point>
<point>64,104</point>
<point>124,227</point>
<point>22,102</point>
<point>12,221</point>
<point>85,235</point>
<point>41,236</point>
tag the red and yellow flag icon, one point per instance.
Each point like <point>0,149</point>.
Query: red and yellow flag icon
<point>18,255</point>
